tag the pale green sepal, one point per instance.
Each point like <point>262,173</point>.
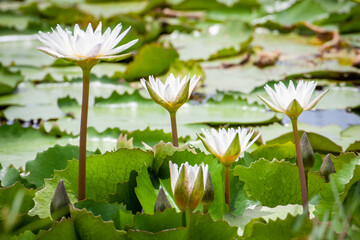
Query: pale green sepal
<point>234,148</point>
<point>294,109</point>
<point>197,191</point>
<point>155,96</point>
<point>115,58</point>
<point>270,105</point>
<point>181,193</point>
<point>315,101</point>
<point>207,146</point>
<point>183,95</point>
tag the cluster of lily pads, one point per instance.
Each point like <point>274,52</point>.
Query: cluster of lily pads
<point>134,182</point>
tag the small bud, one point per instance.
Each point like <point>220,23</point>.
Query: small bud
<point>209,195</point>
<point>327,168</point>
<point>60,203</point>
<point>294,109</point>
<point>124,142</point>
<point>307,153</point>
<point>161,201</point>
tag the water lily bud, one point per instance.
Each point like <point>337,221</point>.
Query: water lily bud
<point>173,93</point>
<point>60,203</point>
<point>209,195</point>
<point>187,184</point>
<point>307,152</point>
<point>161,201</point>
<point>327,168</point>
<point>124,142</point>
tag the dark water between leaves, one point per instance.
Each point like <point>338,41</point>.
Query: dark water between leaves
<point>327,117</point>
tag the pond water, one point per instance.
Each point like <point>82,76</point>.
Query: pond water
<point>327,117</point>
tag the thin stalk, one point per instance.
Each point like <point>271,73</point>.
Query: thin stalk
<point>174,129</point>
<point>300,164</point>
<point>183,219</point>
<point>83,133</point>
<point>227,185</point>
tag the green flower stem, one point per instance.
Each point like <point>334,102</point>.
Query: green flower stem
<point>227,185</point>
<point>183,219</point>
<point>174,129</point>
<point>300,164</point>
<point>83,133</point>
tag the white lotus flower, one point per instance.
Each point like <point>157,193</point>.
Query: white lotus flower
<point>227,145</point>
<point>173,93</point>
<point>187,184</point>
<point>292,101</point>
<point>85,45</point>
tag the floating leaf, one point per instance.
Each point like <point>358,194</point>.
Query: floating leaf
<point>152,59</point>
<point>108,211</point>
<point>279,180</point>
<point>9,80</point>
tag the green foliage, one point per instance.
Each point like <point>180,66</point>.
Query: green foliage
<point>279,180</point>
<point>9,80</point>
<point>152,59</point>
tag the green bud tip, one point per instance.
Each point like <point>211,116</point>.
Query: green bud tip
<point>60,203</point>
<point>327,168</point>
<point>209,195</point>
<point>161,201</point>
<point>307,152</point>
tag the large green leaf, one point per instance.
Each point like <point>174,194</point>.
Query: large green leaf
<point>152,59</point>
<point>279,180</point>
<point>292,227</point>
<point>20,144</point>
<point>104,172</point>
<point>347,167</point>
<point>83,225</point>
<point>108,212</point>
<point>219,40</point>
<point>9,80</point>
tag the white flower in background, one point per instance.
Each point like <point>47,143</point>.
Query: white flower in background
<point>173,93</point>
<point>188,183</point>
<point>227,145</point>
<point>292,101</point>
<point>85,45</point>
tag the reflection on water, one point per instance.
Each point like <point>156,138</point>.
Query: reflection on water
<point>326,117</point>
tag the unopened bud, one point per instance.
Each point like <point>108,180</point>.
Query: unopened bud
<point>327,168</point>
<point>124,142</point>
<point>60,203</point>
<point>307,152</point>
<point>209,195</point>
<point>161,201</point>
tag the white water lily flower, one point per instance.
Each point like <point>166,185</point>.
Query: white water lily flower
<point>292,101</point>
<point>227,145</point>
<point>188,183</point>
<point>85,45</point>
<point>173,93</point>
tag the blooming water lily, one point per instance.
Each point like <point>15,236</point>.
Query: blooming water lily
<point>85,49</point>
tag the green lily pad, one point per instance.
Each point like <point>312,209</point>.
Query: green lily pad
<point>279,180</point>
<point>109,9</point>
<point>108,212</point>
<point>9,80</point>
<point>219,40</point>
<point>152,59</point>
<point>101,178</point>
<point>351,136</point>
<point>21,50</point>
<point>347,167</point>
<point>84,225</point>
<point>291,227</point>
<point>15,21</point>
<point>133,112</point>
<point>20,144</point>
